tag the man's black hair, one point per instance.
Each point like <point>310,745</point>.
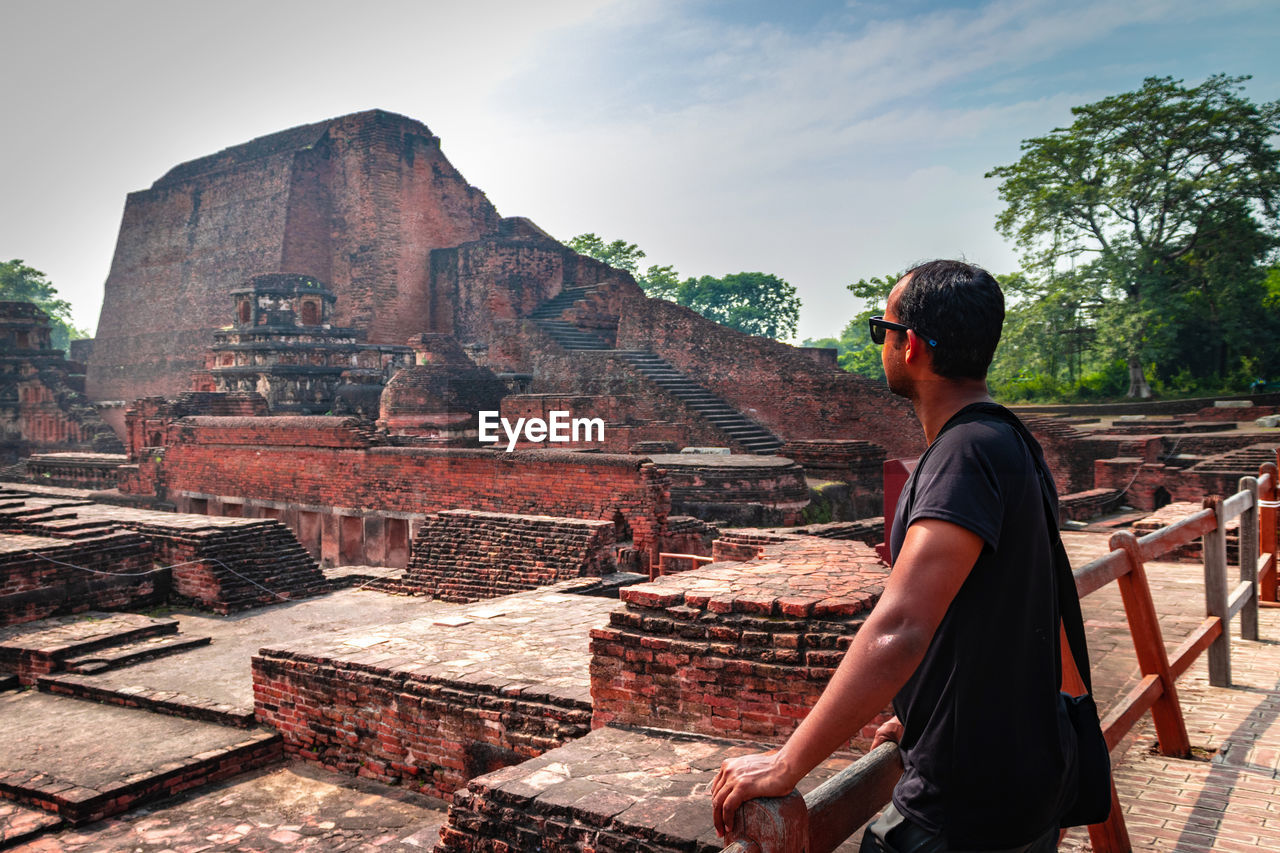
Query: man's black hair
<point>961,307</point>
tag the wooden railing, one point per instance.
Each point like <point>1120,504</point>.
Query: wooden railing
<point>666,561</point>
<point>823,819</point>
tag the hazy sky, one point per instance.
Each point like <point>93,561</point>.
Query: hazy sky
<point>820,141</point>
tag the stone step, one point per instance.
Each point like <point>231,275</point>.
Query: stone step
<point>131,653</point>
<point>168,703</point>
<point>136,757</point>
<point>9,681</point>
<point>19,823</point>
<point>35,648</point>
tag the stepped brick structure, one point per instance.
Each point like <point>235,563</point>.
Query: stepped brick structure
<point>42,402</point>
<point>44,576</point>
<point>220,564</point>
<point>358,202</point>
<point>464,555</point>
<point>735,649</point>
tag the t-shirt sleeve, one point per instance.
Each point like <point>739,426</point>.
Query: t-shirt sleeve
<point>961,481</point>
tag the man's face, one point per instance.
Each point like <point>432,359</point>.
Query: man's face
<point>895,343</point>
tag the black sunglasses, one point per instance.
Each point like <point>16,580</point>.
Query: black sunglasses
<point>879,324</point>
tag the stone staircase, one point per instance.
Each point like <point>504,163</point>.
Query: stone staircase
<point>744,432</point>
<point>466,555</point>
<point>747,433</point>
<point>1244,461</point>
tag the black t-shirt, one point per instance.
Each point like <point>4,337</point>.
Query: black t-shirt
<point>984,743</point>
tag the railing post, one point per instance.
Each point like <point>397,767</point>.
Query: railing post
<point>1267,523</point>
<point>1148,642</point>
<point>1215,595</point>
<point>1249,559</point>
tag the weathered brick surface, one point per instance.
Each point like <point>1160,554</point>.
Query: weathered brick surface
<point>744,370</point>
<point>102,570</point>
<point>735,649</point>
<point>437,701</point>
<point>618,789</point>
<point>328,463</point>
<point>464,555</point>
<point>359,201</point>
<point>222,564</point>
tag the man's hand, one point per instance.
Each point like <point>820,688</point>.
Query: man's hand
<point>890,731</point>
<point>745,778</point>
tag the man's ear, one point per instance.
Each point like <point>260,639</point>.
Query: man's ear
<point>916,347</point>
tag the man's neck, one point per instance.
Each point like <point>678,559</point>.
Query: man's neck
<point>938,399</point>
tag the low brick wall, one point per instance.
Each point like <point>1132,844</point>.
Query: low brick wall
<point>465,555</point>
<point>735,649</point>
<point>77,470</point>
<point>42,577</point>
<point>437,701</point>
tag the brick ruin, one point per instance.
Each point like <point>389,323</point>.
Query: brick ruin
<point>283,346</point>
<point>42,402</point>
<point>368,205</point>
<point>65,553</point>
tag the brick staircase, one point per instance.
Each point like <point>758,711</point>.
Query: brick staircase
<point>738,428</point>
<point>250,564</point>
<point>747,433</point>
<point>566,334</point>
<point>1243,461</point>
<point>465,555</point>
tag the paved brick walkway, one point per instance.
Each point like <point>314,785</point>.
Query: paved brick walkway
<point>1227,796</point>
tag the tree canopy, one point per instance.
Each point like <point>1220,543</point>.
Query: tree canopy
<point>1145,229</point>
<point>21,283</point>
<point>756,303</point>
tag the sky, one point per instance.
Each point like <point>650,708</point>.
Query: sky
<point>822,142</point>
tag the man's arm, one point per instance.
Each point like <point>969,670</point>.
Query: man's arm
<point>935,559</point>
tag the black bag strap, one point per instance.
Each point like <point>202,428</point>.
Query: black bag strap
<point>1068,597</point>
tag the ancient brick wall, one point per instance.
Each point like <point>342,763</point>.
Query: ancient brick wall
<point>464,555</point>
<point>771,382</point>
<point>385,725</point>
<point>358,201</point>
<point>41,577</point>
<point>735,649</point>
<point>287,462</point>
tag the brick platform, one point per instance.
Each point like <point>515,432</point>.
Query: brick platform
<point>35,648</point>
<point>438,700</point>
<point>735,649</point>
<point>42,576</point>
<point>222,564</point>
<point>465,555</point>
<point>618,789</point>
<point>59,764</point>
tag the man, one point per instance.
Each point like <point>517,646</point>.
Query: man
<point>964,637</point>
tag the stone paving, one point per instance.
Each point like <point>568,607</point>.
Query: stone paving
<point>292,808</point>
<point>225,679</point>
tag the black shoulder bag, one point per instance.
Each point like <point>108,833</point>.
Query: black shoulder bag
<point>1093,790</point>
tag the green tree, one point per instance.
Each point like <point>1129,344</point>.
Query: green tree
<point>1168,195</point>
<point>657,281</point>
<point>753,302</point>
<point>21,283</point>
